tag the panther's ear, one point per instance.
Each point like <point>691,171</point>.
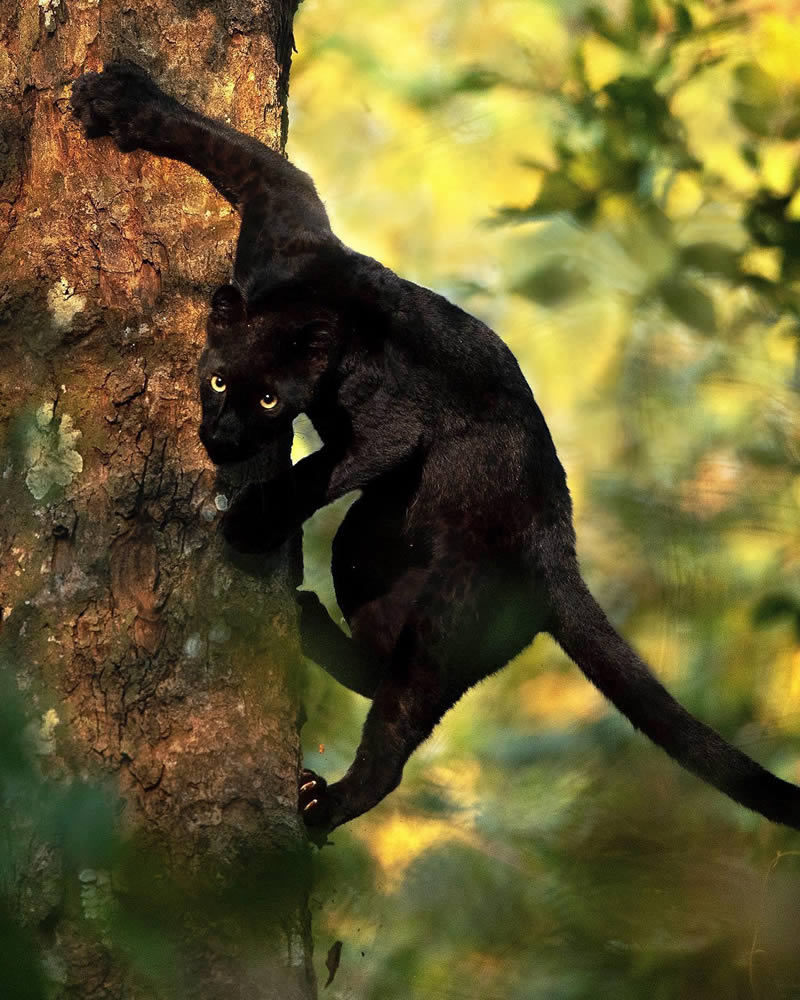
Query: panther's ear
<point>227,307</point>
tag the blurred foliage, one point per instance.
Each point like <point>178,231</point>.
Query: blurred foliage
<point>54,832</point>
<point>71,871</point>
<point>614,188</point>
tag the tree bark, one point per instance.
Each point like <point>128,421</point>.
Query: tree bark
<point>152,664</point>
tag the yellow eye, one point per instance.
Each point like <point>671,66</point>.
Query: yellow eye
<point>268,401</point>
<point>217,384</point>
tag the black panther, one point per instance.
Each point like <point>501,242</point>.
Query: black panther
<point>461,547</point>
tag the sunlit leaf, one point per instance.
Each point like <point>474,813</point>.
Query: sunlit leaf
<point>560,194</point>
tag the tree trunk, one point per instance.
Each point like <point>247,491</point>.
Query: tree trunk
<point>156,671</point>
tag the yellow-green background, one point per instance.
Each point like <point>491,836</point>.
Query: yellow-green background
<point>537,846</point>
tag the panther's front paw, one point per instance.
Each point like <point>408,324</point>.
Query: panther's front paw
<point>122,102</point>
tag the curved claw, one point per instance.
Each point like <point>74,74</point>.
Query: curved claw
<point>315,805</point>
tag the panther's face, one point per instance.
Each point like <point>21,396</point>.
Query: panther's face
<point>257,373</point>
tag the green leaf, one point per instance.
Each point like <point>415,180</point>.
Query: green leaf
<point>763,108</point>
<point>790,127</point>
<point>642,111</point>
<point>557,194</point>
<point>776,607</point>
<point>688,303</point>
<point>768,225</point>
<point>754,118</point>
<point>560,194</point>
<point>683,20</point>
<point>431,92</point>
<point>552,283</point>
<point>598,20</point>
<point>644,18</point>
<point>756,86</point>
<point>20,958</point>
<point>711,258</point>
<point>750,154</point>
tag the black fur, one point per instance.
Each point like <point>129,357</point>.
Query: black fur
<point>461,547</point>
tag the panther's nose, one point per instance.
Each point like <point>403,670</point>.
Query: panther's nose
<point>223,447</point>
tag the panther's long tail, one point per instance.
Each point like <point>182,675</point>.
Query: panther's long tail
<point>583,631</point>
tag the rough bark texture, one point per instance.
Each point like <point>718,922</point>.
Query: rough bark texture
<point>150,659</point>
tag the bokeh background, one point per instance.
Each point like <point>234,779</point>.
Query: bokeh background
<point>614,188</point>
